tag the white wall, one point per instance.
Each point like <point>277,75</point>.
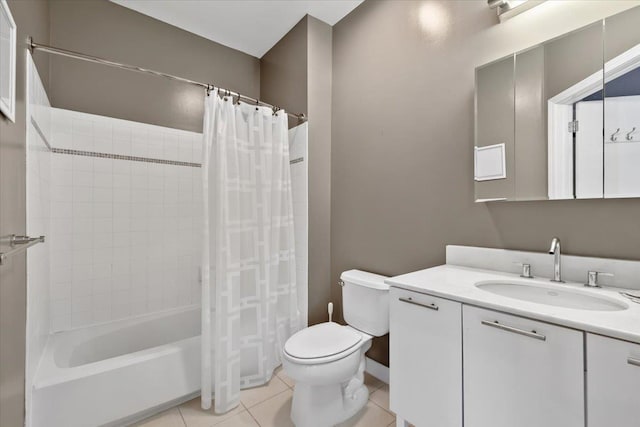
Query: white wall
<point>622,158</point>
<point>298,149</point>
<point>125,238</point>
<point>38,211</point>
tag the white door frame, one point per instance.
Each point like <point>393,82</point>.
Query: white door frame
<point>560,113</point>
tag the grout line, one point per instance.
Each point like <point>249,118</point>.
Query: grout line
<point>272,397</point>
<point>249,408</point>
<point>388,411</point>
<point>251,415</point>
<point>285,383</point>
<point>182,416</point>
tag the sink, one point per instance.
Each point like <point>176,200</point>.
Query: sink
<point>553,295</point>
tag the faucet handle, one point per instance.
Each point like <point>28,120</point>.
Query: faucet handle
<point>526,270</point>
<point>592,278</point>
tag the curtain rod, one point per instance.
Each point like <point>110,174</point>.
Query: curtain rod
<point>33,46</point>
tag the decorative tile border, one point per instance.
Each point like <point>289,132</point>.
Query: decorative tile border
<point>107,155</point>
<point>121,157</point>
<point>298,160</point>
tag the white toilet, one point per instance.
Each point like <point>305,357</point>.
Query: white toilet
<point>327,360</point>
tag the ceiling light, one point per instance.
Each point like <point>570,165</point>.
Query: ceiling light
<point>509,8</point>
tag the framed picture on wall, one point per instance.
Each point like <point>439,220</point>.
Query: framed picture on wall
<point>7,62</point>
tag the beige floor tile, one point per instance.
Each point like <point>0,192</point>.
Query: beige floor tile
<point>243,419</point>
<point>370,416</point>
<point>284,377</point>
<point>170,418</point>
<point>275,412</point>
<point>372,382</point>
<point>393,424</point>
<point>381,397</point>
<point>252,396</point>
<point>195,416</point>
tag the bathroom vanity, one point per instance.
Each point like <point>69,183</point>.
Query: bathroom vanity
<point>485,347</point>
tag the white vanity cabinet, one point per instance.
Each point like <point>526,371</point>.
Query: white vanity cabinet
<point>426,359</point>
<point>613,382</point>
<point>521,372</point>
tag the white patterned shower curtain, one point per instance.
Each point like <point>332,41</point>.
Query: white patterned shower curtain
<point>249,303</point>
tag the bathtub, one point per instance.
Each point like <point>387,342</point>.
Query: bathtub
<point>114,373</point>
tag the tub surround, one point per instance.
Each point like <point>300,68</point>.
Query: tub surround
<point>38,161</point>
<point>124,224</point>
<point>124,370</point>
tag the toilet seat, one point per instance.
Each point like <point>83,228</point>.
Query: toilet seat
<point>322,343</point>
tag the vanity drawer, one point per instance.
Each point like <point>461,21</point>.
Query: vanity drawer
<point>425,363</point>
<point>521,372</point>
<point>613,382</point>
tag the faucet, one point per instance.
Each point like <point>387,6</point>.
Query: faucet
<point>555,251</point>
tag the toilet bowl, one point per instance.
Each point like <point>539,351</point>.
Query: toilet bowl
<point>327,361</point>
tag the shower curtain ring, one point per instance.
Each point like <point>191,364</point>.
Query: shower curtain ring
<point>629,137</point>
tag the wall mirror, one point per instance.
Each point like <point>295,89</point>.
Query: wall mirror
<point>561,120</point>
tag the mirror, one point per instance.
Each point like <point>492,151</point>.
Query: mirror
<point>622,105</point>
<point>541,115</point>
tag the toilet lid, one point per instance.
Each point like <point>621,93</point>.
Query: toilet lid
<point>323,340</point>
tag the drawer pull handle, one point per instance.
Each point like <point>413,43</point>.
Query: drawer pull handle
<point>633,361</point>
<point>409,300</point>
<point>530,334</point>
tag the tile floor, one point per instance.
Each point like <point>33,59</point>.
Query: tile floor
<point>270,406</point>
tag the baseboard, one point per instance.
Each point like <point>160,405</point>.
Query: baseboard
<point>377,369</point>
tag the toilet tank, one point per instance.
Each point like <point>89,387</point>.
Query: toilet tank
<point>365,302</point>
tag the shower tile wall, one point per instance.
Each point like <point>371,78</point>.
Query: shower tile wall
<point>38,222</point>
<point>298,153</point>
<point>125,234</point>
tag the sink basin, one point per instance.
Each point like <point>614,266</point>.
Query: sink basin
<point>552,295</point>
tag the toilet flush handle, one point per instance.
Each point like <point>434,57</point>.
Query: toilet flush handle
<point>330,310</point>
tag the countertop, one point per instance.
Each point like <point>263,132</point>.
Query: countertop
<point>458,284</point>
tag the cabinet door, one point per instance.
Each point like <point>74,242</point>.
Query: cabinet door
<point>425,359</point>
<point>520,372</point>
<point>613,382</point>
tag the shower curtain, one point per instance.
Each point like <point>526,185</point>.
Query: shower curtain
<point>249,303</point>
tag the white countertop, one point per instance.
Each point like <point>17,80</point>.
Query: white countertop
<point>458,284</point>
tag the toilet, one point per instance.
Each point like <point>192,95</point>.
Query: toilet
<point>327,360</point>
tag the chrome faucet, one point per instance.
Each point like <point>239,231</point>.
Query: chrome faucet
<point>555,251</point>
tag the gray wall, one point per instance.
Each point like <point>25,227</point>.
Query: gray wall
<point>105,29</point>
<point>402,158</point>
<point>296,75</point>
<point>319,105</point>
<point>32,18</point>
<point>283,72</point>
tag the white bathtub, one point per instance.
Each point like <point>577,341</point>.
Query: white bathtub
<point>111,373</point>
